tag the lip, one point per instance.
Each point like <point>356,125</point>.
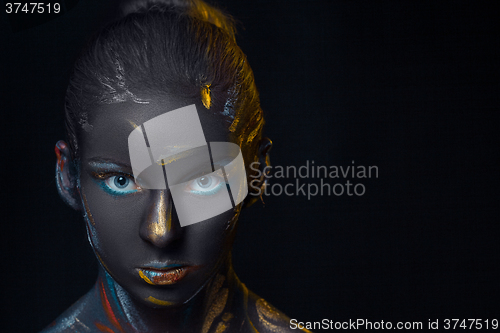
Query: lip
<point>161,274</point>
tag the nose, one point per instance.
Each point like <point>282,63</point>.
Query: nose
<point>159,228</point>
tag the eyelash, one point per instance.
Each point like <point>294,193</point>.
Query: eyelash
<point>105,179</point>
<point>217,187</point>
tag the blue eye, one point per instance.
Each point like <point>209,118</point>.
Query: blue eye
<point>120,185</point>
<point>205,185</point>
<point>204,182</point>
<point>121,182</point>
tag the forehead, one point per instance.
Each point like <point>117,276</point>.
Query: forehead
<point>108,126</point>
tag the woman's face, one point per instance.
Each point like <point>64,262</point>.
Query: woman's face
<point>135,232</point>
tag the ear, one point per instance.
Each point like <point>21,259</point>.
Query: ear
<point>66,176</point>
<point>257,185</point>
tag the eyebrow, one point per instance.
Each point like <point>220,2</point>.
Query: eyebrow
<point>107,163</point>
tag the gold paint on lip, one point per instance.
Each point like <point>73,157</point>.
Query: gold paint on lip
<point>158,301</point>
<point>144,277</point>
<point>165,277</point>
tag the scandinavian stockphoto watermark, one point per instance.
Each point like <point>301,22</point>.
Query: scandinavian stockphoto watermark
<point>205,179</point>
<point>312,180</point>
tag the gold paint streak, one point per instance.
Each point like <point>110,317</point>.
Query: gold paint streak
<point>233,126</point>
<point>100,175</point>
<point>216,309</point>
<point>245,303</point>
<point>162,225</point>
<point>166,214</point>
<point>169,220</point>
<point>257,127</point>
<point>101,261</point>
<point>252,325</point>
<point>144,277</point>
<point>227,316</point>
<point>271,318</point>
<point>221,327</point>
<point>205,96</point>
<point>265,309</point>
<point>253,134</point>
<point>157,301</point>
<point>215,286</point>
<point>176,157</point>
<point>134,125</point>
<point>87,210</point>
<point>216,301</point>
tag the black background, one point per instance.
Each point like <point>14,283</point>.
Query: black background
<point>411,87</point>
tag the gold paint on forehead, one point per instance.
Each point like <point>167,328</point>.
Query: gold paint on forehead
<point>162,225</point>
<point>172,158</point>
<point>134,125</point>
<point>205,96</point>
<point>87,210</point>
<point>158,301</point>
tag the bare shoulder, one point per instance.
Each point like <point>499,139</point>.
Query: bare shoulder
<point>266,318</point>
<point>73,319</point>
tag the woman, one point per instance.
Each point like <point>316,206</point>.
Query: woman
<point>160,272</point>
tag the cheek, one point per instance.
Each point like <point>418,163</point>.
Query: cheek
<point>111,222</point>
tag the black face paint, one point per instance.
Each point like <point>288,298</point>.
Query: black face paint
<point>136,233</point>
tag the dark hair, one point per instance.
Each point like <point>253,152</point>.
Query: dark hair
<point>186,48</point>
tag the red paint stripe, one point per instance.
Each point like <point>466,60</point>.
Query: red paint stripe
<point>107,308</point>
<point>103,328</point>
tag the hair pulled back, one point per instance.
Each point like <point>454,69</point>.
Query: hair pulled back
<point>185,48</point>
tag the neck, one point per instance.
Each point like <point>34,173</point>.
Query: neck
<point>125,314</point>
